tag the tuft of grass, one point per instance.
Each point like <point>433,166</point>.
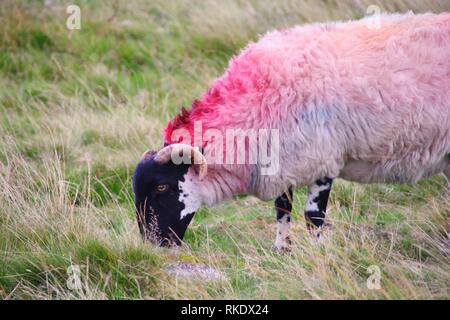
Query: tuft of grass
<point>78,108</point>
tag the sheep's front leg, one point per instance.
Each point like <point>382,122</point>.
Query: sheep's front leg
<point>283,207</point>
<point>316,205</point>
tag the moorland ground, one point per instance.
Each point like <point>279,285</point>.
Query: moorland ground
<point>78,108</point>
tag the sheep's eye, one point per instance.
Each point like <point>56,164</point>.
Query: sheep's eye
<point>162,188</point>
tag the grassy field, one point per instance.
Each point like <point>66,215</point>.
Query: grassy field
<point>78,108</point>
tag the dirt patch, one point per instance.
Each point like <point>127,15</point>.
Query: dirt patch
<point>198,271</point>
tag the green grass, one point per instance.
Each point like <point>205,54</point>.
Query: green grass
<point>78,108</point>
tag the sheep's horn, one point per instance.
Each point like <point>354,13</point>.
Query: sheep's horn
<point>166,154</point>
<point>148,153</point>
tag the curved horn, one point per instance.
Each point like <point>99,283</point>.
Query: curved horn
<point>147,154</point>
<point>166,154</point>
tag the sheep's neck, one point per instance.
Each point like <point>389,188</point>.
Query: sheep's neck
<point>223,183</point>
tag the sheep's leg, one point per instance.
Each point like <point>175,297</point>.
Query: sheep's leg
<point>316,205</point>
<point>283,207</point>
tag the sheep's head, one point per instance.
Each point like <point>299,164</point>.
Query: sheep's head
<point>165,185</point>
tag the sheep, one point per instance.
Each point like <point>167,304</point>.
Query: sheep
<point>344,100</point>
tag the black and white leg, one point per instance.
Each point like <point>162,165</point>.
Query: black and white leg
<point>316,205</point>
<point>283,207</point>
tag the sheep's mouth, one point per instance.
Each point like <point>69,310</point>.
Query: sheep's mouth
<point>169,241</point>
<point>157,238</point>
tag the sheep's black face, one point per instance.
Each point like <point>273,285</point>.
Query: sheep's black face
<point>161,203</point>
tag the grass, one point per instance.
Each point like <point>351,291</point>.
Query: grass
<point>78,108</point>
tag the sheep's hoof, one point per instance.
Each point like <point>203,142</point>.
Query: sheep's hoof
<point>281,249</point>
<point>315,233</point>
<point>318,237</point>
<point>284,247</point>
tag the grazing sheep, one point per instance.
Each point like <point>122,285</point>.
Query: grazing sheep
<point>348,100</point>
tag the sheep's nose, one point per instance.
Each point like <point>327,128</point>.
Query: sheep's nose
<point>170,241</point>
<point>165,243</point>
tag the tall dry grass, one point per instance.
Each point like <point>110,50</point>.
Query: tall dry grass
<point>77,109</point>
